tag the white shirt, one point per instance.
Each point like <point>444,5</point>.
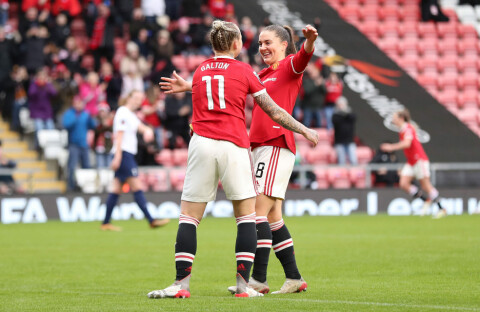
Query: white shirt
<point>125,120</point>
<point>153,7</point>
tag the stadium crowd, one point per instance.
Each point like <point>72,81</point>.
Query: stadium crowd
<point>55,53</point>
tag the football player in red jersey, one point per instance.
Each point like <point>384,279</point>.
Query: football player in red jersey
<point>417,166</point>
<point>219,149</point>
<point>273,150</point>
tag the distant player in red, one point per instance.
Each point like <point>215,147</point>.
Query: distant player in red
<point>417,166</point>
<point>219,150</point>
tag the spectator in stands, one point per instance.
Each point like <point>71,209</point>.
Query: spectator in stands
<point>71,55</point>
<point>7,55</point>
<point>29,20</point>
<point>113,82</point>
<point>34,48</point>
<point>131,80</point>
<point>173,9</point>
<point>152,9</point>
<point>71,8</point>
<point>92,93</point>
<point>200,36</point>
<point>178,107</point>
<point>334,90</point>
<point>138,22</point>
<point>133,57</point>
<point>101,41</point>
<point>124,9</point>
<point>152,108</point>
<point>102,141</point>
<point>313,96</point>
<point>7,184</point>
<point>66,87</point>
<point>42,6</point>
<point>77,121</point>
<point>385,176</point>
<point>344,127</point>
<point>16,87</point>
<point>431,11</point>
<point>143,43</point>
<point>218,8</point>
<point>60,30</point>
<point>182,37</point>
<point>40,94</point>
<point>3,12</point>
<point>163,47</point>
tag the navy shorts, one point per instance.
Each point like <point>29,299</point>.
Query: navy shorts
<point>128,167</point>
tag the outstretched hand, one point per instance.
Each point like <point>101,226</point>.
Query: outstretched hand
<point>312,136</point>
<point>310,33</point>
<point>174,85</point>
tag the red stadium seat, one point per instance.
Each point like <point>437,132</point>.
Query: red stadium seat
<point>177,177</point>
<point>180,156</point>
<point>427,30</point>
<point>468,116</point>
<point>165,157</point>
<point>157,180</point>
<point>389,45</point>
<point>364,154</point>
<point>447,47</point>
<point>339,178</point>
<point>409,64</point>
<point>324,136</point>
<point>194,60</point>
<point>408,30</point>
<point>467,31</point>
<point>428,47</point>
<point>447,82</point>
<point>321,154</point>
<point>180,62</point>
<point>469,82</point>
<point>427,81</point>
<point>427,65</point>
<point>321,178</point>
<point>369,13</point>
<point>468,47</point>
<point>410,13</point>
<point>447,64</point>
<point>448,99</point>
<point>349,13</point>
<point>357,177</point>
<point>369,29</point>
<point>467,100</point>
<point>389,13</point>
<point>452,15</point>
<point>388,30</point>
<point>408,47</point>
<point>469,64</point>
<point>447,30</point>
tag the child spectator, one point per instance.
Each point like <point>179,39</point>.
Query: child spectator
<point>334,90</point>
<point>92,93</point>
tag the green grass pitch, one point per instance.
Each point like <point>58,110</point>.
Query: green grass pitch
<point>356,263</point>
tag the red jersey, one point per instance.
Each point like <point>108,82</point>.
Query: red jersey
<point>283,81</point>
<point>219,90</point>
<point>415,152</point>
<point>334,91</point>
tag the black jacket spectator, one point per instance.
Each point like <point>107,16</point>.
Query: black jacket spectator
<point>177,110</point>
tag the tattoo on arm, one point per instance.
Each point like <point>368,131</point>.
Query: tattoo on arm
<point>278,114</point>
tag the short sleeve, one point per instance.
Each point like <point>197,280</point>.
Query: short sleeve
<point>408,134</point>
<point>255,85</point>
<point>121,121</point>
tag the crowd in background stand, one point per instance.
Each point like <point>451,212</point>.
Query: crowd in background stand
<point>50,67</point>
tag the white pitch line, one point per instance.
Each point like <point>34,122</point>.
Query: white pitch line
<point>385,304</point>
<point>276,298</point>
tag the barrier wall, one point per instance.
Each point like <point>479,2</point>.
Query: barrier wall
<point>91,207</point>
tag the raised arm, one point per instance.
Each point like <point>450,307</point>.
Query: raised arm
<point>175,85</point>
<point>280,116</point>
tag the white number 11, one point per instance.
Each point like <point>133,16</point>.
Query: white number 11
<point>221,90</point>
